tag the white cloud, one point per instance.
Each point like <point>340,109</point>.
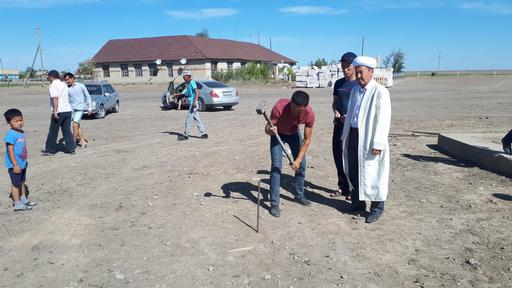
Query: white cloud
<point>306,10</point>
<point>400,4</point>
<point>202,13</point>
<point>40,3</point>
<point>488,7</point>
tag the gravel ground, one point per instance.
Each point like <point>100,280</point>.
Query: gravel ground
<point>139,209</point>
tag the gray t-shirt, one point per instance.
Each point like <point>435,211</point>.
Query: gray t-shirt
<point>342,89</point>
<point>79,97</point>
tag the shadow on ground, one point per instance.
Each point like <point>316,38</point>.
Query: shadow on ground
<point>502,196</point>
<point>439,159</point>
<point>250,192</point>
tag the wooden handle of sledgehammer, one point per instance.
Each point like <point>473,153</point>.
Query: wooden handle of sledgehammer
<point>290,158</point>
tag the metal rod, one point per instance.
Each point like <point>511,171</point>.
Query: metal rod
<point>258,209</point>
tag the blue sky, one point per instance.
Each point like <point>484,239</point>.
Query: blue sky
<point>469,34</point>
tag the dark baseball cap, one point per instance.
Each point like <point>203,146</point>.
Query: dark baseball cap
<point>348,57</point>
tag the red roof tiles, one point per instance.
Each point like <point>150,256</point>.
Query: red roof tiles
<point>189,47</point>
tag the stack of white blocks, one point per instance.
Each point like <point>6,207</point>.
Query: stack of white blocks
<point>326,76</point>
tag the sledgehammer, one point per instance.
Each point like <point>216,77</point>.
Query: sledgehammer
<point>261,109</point>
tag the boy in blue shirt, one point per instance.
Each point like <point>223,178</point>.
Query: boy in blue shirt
<point>16,159</point>
<point>192,93</point>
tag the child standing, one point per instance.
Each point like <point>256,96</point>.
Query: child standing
<point>16,159</point>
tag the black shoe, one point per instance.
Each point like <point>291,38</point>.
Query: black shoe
<point>71,153</point>
<point>303,201</point>
<point>204,136</point>
<point>47,153</point>
<point>275,211</point>
<point>182,137</point>
<point>373,217</point>
<point>507,148</point>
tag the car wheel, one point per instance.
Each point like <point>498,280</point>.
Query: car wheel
<point>116,108</point>
<point>228,107</point>
<point>100,113</point>
<point>201,104</point>
<point>168,104</point>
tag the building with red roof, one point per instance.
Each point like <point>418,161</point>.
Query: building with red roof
<point>135,60</point>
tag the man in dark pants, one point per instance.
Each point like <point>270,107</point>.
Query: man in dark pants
<point>286,116</point>
<point>341,95</point>
<point>61,115</point>
<point>507,143</point>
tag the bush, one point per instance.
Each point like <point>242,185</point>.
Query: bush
<point>250,71</point>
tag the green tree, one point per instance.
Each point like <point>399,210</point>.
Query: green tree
<point>396,59</point>
<point>321,62</point>
<point>23,74</point>
<point>86,67</point>
<point>203,33</point>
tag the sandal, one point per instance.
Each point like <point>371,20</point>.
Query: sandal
<point>337,193</point>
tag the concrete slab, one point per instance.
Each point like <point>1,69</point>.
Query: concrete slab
<point>485,150</point>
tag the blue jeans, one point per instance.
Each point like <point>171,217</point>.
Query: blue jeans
<point>193,115</point>
<point>276,154</point>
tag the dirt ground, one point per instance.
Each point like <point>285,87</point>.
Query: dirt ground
<point>139,209</point>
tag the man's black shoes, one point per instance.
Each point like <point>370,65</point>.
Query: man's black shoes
<point>275,211</point>
<point>204,136</point>
<point>373,216</point>
<point>182,137</point>
<point>303,201</point>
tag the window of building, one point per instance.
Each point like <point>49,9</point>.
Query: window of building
<point>138,70</point>
<point>153,70</point>
<point>214,66</point>
<point>106,71</point>
<point>170,73</point>
<point>230,66</point>
<point>124,70</point>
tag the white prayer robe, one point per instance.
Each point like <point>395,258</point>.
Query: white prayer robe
<point>374,122</point>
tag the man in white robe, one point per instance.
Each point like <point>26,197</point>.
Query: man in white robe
<point>365,141</point>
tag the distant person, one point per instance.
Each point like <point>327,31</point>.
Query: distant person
<point>365,140</point>
<point>192,93</point>
<point>286,116</point>
<point>61,115</point>
<point>16,159</point>
<point>80,101</point>
<point>341,96</point>
<point>507,143</point>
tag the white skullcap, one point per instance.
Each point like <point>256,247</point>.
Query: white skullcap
<point>365,61</point>
<point>186,73</point>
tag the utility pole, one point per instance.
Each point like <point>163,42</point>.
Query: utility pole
<point>362,47</point>
<point>439,62</point>
<point>2,66</point>
<point>258,38</point>
<point>38,51</point>
<point>270,43</point>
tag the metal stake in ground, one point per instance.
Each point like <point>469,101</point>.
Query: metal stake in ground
<point>258,209</point>
<point>261,109</point>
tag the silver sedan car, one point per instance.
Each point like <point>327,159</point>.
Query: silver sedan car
<point>212,94</point>
<point>104,98</point>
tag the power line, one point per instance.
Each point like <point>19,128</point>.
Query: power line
<point>67,44</point>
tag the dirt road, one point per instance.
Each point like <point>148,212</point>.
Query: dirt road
<point>139,209</point>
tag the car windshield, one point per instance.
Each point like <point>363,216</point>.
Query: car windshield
<point>214,84</point>
<point>94,89</point>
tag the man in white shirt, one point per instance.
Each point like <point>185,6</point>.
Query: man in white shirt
<point>365,141</point>
<point>61,115</point>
